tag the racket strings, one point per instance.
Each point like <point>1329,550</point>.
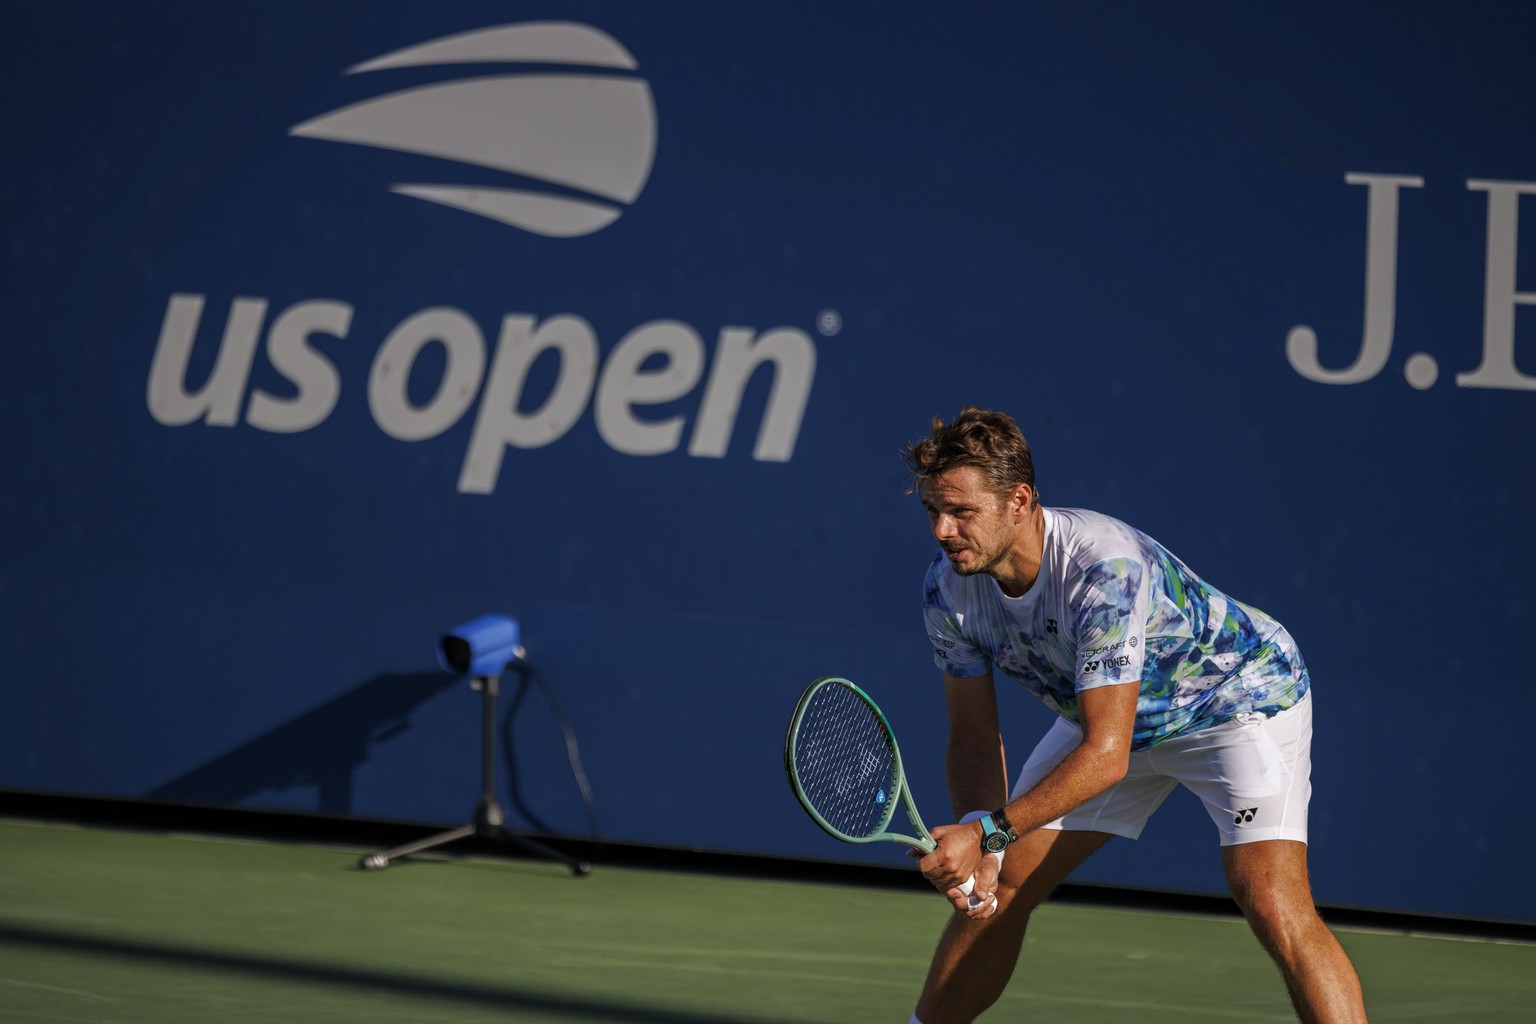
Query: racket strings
<point>846,762</point>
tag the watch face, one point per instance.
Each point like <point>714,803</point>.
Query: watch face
<point>994,842</point>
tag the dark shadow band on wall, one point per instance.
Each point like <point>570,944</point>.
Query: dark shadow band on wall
<point>287,826</point>
<point>321,748</point>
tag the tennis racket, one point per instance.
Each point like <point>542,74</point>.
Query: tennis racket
<point>845,768</point>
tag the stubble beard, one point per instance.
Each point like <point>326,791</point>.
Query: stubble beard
<point>984,564</point>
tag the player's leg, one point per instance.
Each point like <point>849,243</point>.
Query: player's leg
<point>1254,776</point>
<point>1270,883</point>
<point>975,958</point>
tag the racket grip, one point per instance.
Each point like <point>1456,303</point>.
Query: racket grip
<point>966,887</point>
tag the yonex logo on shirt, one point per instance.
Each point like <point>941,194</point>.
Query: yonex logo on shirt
<point>1245,815</point>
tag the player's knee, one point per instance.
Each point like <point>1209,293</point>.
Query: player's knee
<point>1019,900</point>
<point>1281,922</point>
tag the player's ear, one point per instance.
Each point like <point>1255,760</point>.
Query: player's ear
<point>1019,500</point>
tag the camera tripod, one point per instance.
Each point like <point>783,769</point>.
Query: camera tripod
<point>489,820</point>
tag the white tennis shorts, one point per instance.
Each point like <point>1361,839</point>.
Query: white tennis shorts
<point>1253,774</point>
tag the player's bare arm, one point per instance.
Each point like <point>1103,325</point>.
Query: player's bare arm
<point>974,762</point>
<point>1107,715</point>
<point>977,776</point>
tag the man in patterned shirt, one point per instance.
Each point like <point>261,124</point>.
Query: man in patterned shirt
<point>1159,680</point>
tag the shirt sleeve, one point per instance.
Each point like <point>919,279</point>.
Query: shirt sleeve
<point>1110,603</point>
<point>952,653</point>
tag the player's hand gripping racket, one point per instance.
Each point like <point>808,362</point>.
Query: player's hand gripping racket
<point>845,768</point>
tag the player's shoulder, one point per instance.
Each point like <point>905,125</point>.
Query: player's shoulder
<point>945,588</point>
<point>1084,536</point>
<point>939,579</point>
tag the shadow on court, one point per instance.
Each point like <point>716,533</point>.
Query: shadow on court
<point>502,998</point>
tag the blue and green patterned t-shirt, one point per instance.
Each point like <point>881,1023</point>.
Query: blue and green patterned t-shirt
<point>1111,605</point>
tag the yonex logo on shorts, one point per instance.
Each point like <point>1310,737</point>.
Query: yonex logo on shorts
<point>1245,816</point>
<point>590,135</point>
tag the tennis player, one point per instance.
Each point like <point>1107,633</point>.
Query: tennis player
<point>1159,680</point>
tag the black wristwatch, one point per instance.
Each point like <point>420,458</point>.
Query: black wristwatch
<point>996,832</point>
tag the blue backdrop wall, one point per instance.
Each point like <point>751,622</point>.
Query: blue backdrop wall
<point>325,327</point>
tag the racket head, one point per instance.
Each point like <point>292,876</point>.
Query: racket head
<point>844,766</point>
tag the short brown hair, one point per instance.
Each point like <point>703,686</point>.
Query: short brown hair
<point>990,441</point>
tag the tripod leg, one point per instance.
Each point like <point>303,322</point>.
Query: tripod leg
<point>379,861</point>
<point>578,867</point>
<point>489,820</point>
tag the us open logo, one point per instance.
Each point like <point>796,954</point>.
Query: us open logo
<point>590,135</point>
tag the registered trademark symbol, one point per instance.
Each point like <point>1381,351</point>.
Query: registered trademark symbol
<point>829,322</point>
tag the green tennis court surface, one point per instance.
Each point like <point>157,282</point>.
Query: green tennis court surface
<point>100,925</point>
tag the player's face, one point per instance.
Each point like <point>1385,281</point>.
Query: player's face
<point>970,522</point>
